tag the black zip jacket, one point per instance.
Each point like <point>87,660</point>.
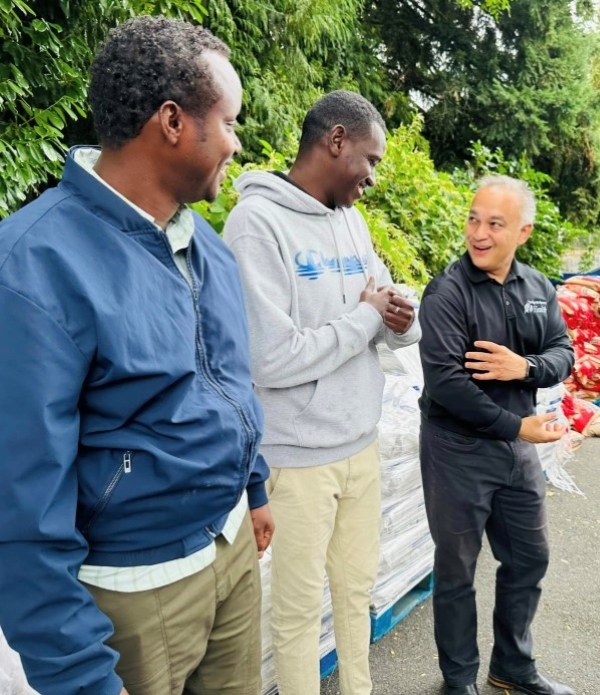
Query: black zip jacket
<point>462,305</point>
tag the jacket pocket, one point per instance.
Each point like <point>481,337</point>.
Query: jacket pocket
<point>124,467</point>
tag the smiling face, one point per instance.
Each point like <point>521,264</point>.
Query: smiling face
<point>209,144</point>
<point>355,165</point>
<point>495,230</point>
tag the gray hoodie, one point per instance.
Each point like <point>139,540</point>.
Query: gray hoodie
<point>312,343</point>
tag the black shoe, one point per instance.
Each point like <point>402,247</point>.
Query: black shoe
<point>461,690</point>
<point>538,686</point>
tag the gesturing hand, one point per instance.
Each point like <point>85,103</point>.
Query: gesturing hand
<point>378,299</point>
<point>539,429</point>
<point>497,362</point>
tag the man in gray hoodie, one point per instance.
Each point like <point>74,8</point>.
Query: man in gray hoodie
<point>318,299</point>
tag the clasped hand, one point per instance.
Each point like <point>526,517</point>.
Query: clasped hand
<point>397,313</point>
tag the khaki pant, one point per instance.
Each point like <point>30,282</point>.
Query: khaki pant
<point>327,519</point>
<point>198,636</point>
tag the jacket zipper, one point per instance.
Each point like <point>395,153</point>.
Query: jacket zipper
<point>125,467</point>
<point>127,462</point>
<point>201,355</point>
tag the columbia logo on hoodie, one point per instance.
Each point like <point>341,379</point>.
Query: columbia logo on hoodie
<point>312,264</point>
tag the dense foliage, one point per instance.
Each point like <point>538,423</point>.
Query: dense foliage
<point>518,80</point>
<point>288,53</point>
<point>525,81</point>
<point>46,47</point>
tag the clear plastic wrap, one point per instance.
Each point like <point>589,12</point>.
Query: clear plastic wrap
<point>12,677</point>
<point>554,455</point>
<point>406,554</point>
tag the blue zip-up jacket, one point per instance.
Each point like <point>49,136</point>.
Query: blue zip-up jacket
<point>129,426</point>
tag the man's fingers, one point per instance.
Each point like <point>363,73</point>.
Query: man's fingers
<point>371,284</point>
<point>488,345</point>
<point>481,366</point>
<point>553,436</point>
<point>477,355</point>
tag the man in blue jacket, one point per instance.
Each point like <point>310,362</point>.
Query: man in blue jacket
<point>129,438</point>
<point>492,334</point>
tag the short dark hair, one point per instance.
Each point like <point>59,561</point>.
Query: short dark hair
<point>145,62</point>
<point>349,109</point>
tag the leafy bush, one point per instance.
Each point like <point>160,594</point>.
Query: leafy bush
<point>424,206</point>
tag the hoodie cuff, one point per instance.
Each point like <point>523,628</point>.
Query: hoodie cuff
<point>369,318</point>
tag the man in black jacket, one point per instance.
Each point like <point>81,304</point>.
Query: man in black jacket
<point>492,335</point>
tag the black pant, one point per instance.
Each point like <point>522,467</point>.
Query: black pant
<point>472,485</point>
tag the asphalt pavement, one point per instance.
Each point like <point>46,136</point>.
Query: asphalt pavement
<point>567,626</point>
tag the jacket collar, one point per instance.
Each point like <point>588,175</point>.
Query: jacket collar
<point>100,199</point>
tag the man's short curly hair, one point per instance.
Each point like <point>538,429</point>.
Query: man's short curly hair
<point>341,107</point>
<point>145,62</point>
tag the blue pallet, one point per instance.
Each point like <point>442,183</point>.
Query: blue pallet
<point>328,663</point>
<point>382,624</point>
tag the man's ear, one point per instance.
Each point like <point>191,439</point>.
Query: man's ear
<point>524,234</point>
<point>170,119</point>
<point>336,139</point>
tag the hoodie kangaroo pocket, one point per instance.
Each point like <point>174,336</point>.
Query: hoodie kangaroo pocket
<point>345,406</point>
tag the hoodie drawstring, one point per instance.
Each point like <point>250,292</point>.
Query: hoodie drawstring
<point>362,265</point>
<point>340,263</point>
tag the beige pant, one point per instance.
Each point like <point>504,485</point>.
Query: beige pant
<point>327,519</point>
<point>198,636</point>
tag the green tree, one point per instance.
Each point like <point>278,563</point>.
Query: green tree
<point>494,7</point>
<point>45,53</point>
<point>288,53</point>
<point>522,80</point>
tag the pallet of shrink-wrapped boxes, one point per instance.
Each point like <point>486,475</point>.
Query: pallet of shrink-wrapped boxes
<point>406,556</point>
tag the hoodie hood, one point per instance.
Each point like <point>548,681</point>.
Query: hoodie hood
<point>285,193</point>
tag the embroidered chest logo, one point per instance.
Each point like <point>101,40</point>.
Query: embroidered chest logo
<point>536,306</point>
<point>312,264</point>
